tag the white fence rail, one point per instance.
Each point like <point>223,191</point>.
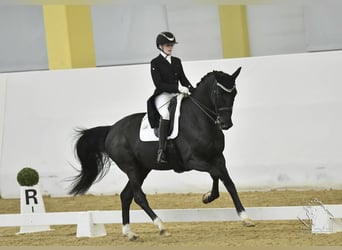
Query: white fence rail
<point>91,223</point>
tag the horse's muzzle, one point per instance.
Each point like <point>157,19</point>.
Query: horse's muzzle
<point>224,121</point>
<point>225,125</point>
<point>224,118</point>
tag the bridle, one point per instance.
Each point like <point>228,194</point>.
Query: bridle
<point>213,115</point>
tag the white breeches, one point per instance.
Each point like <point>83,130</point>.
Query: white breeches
<point>162,102</point>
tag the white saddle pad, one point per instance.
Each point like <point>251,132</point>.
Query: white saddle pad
<point>147,133</point>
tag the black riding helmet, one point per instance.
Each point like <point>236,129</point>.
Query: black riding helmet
<point>165,38</point>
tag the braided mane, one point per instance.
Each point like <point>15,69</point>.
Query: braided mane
<point>215,73</point>
<point>205,77</point>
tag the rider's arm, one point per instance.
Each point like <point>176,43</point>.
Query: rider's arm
<point>183,79</point>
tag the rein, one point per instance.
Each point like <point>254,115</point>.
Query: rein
<point>205,110</point>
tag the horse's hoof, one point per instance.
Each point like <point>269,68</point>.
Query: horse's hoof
<point>132,236</point>
<point>248,223</point>
<point>164,233</point>
<point>208,197</point>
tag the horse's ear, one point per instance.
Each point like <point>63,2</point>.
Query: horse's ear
<point>236,73</point>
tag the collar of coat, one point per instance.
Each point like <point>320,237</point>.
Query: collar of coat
<point>167,57</point>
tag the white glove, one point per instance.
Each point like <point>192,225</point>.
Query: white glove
<point>183,90</point>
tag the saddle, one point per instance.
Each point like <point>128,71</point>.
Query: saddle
<point>147,133</point>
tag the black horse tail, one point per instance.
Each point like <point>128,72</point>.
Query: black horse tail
<point>95,163</point>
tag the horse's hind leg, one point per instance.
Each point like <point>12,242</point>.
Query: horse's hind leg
<point>126,200</point>
<point>214,193</point>
<point>133,189</point>
<point>140,199</point>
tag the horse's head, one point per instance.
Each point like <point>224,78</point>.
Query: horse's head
<point>223,95</point>
<point>222,92</point>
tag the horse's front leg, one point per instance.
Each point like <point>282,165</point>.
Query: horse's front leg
<point>203,166</point>
<point>214,193</point>
<point>228,183</point>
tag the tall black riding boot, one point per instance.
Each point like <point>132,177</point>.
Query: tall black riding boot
<point>163,133</point>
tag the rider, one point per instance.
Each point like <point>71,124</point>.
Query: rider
<point>169,79</point>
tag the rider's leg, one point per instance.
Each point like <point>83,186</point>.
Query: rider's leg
<point>163,133</point>
<point>162,103</point>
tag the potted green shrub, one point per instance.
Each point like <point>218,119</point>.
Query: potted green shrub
<point>28,177</point>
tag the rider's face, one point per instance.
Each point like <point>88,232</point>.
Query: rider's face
<point>167,48</point>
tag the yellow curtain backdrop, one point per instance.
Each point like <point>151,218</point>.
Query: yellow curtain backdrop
<point>234,31</point>
<point>69,36</point>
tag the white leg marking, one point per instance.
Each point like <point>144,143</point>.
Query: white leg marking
<point>162,231</point>
<point>246,221</point>
<point>126,231</point>
<point>158,223</point>
<point>243,215</point>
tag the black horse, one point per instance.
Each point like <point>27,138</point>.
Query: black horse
<point>198,146</point>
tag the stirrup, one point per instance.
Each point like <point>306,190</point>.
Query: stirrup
<point>161,157</point>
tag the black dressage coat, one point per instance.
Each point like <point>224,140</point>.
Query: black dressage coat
<point>165,77</point>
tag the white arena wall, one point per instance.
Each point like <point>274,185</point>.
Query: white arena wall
<point>287,123</point>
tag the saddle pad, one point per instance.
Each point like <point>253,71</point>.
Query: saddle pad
<point>147,133</point>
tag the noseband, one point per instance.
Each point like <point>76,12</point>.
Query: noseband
<point>208,111</point>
